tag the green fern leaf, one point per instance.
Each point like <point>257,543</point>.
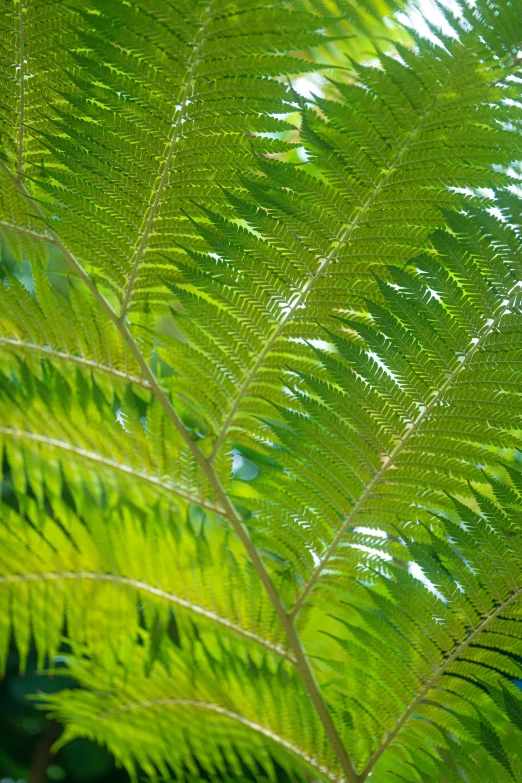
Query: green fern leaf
<point>259,383</point>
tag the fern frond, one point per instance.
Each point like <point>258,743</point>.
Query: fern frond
<point>113,442</point>
<point>228,720</point>
<point>35,40</point>
<point>159,109</point>
<point>480,639</point>
<point>72,570</point>
<point>424,666</point>
<point>317,235</point>
<point>409,412</point>
<point>271,388</point>
<point>418,671</point>
<point>69,333</point>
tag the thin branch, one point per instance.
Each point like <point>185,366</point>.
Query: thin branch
<point>230,512</point>
<point>434,678</point>
<point>410,432</point>
<point>203,705</point>
<point>43,753</point>
<point>146,588</point>
<point>166,170</point>
<point>112,464</point>
<point>26,232</point>
<point>10,342</point>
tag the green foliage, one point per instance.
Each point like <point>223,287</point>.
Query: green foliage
<point>259,385</point>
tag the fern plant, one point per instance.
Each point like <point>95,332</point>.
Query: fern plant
<point>260,390</point>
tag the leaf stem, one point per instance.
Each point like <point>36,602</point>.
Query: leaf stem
<point>166,169</point>
<point>20,162</point>
<point>203,705</point>
<point>100,459</point>
<point>230,513</point>
<point>433,680</point>
<point>403,442</point>
<point>59,576</point>
<point>22,345</point>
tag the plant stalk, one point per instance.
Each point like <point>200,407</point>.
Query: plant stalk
<point>230,512</point>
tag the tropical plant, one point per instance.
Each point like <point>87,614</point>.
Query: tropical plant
<point>260,383</point>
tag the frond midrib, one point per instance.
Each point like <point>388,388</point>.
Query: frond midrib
<point>322,268</point>
<point>27,232</point>
<point>158,194</point>
<point>21,75</point>
<point>117,466</point>
<point>412,430</point>
<point>156,591</point>
<point>435,677</point>
<point>173,702</point>
<point>10,342</point>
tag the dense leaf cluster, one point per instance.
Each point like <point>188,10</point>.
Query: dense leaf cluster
<point>261,422</point>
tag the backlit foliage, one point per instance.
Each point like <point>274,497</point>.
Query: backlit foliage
<point>260,387</point>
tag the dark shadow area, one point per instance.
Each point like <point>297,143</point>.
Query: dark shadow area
<point>27,736</point>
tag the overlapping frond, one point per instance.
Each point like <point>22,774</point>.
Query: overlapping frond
<point>106,573</point>
<point>164,106</point>
<point>272,387</point>
<point>430,669</point>
<point>69,333</point>
<point>383,161</point>
<point>232,716</point>
<point>422,395</point>
<point>423,674</point>
<point>110,444</point>
<point>35,37</point>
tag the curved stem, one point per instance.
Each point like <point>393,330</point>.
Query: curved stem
<point>117,466</point>
<point>166,168</point>
<point>390,462</point>
<point>146,588</point>
<point>230,512</point>
<point>203,705</point>
<point>26,232</point>
<point>10,342</point>
<point>433,680</point>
